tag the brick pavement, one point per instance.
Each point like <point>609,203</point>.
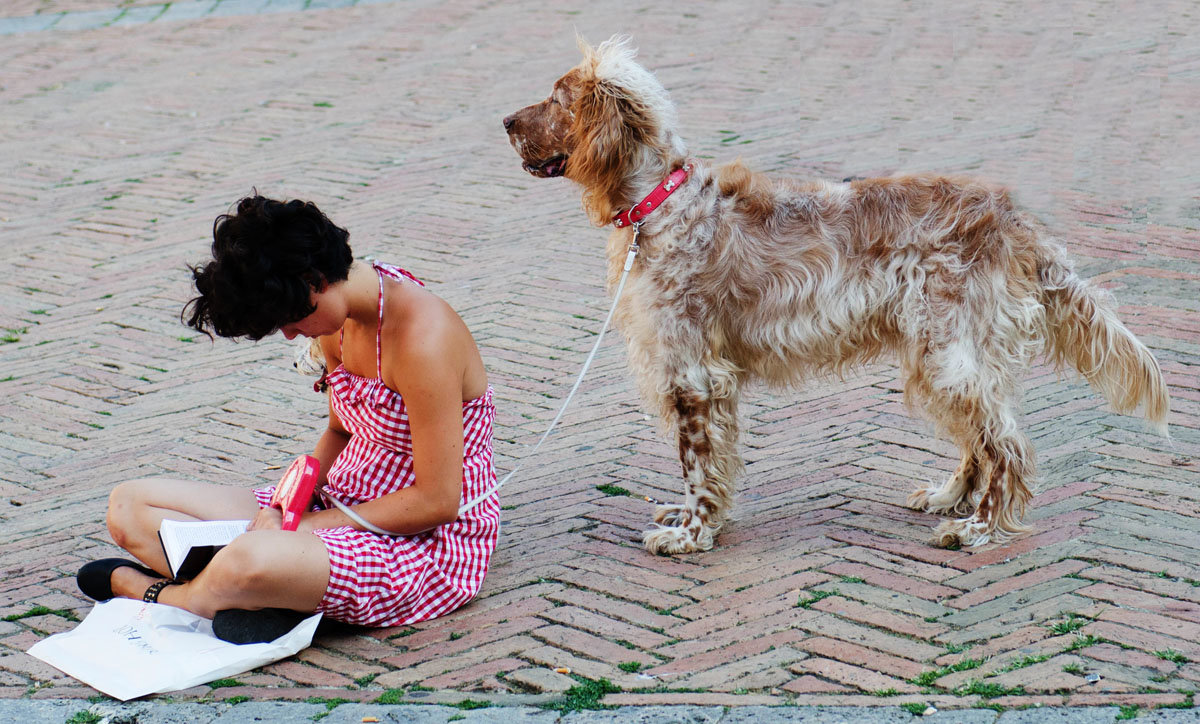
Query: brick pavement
<point>119,144</point>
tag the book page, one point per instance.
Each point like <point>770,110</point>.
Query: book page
<point>178,537</point>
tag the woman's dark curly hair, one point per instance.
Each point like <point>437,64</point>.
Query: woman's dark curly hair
<point>267,257</point>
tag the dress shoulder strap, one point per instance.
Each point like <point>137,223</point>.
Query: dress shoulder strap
<point>379,327</point>
<point>393,272</point>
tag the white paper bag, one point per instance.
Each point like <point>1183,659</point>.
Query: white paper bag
<point>129,648</point>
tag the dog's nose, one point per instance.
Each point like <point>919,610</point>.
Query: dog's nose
<point>509,121</point>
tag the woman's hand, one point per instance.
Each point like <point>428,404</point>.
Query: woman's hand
<point>272,519</point>
<point>267,519</point>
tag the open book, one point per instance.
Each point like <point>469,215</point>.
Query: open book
<point>190,545</point>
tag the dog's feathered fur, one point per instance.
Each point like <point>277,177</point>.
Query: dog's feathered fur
<point>744,277</point>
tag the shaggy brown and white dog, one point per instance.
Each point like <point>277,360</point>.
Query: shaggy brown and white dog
<point>743,277</point>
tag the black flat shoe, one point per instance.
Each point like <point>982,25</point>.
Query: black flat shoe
<point>95,578</point>
<point>240,626</point>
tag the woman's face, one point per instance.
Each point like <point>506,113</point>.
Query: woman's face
<point>327,318</point>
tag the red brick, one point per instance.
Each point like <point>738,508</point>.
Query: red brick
<point>852,654</point>
<point>1188,627</point>
<point>692,699</point>
<point>307,675</point>
<point>872,615</point>
<point>740,649</point>
<point>475,673</point>
<point>809,684</point>
<point>1141,639</point>
<point>1016,583</point>
<point>591,646</point>
<point>857,677</point>
<point>893,581</point>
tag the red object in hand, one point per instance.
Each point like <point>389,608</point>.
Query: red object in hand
<point>295,490</point>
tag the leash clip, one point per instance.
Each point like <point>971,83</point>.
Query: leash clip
<point>633,247</point>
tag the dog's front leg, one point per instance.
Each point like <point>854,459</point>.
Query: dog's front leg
<point>706,431</point>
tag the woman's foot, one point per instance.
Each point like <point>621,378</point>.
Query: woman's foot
<point>240,626</point>
<point>97,579</point>
<point>132,583</point>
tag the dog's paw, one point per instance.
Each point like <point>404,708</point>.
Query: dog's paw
<point>961,532</point>
<point>919,499</point>
<point>933,500</point>
<point>672,516</point>
<point>671,540</point>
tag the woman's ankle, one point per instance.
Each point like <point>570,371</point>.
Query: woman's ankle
<point>128,582</point>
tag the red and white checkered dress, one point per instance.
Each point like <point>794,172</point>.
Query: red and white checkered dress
<point>379,580</point>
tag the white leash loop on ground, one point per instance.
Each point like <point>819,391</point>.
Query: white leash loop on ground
<point>633,250</point>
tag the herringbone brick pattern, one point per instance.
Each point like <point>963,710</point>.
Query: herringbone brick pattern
<point>119,145</point>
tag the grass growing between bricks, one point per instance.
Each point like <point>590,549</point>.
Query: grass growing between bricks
<point>988,691</point>
<point>42,611</point>
<point>391,696</point>
<point>1187,703</point>
<point>471,704</point>
<point>396,696</point>
<point>927,678</point>
<point>1082,642</point>
<point>1022,663</point>
<point>1171,655</point>
<point>584,695</point>
<point>1073,623</point>
<point>330,705</point>
<point>817,596</point>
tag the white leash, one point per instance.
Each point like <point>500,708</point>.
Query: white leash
<point>633,250</point>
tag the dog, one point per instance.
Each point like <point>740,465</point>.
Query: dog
<point>741,277</point>
<point>309,360</point>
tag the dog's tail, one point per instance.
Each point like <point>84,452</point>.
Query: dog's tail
<point>1083,330</point>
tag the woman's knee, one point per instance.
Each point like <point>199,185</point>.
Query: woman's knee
<point>268,568</point>
<point>245,565</point>
<point>236,569</point>
<point>123,502</point>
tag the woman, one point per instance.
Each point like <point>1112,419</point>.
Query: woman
<point>409,438</point>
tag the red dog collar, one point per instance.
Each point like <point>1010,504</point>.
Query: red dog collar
<point>635,214</point>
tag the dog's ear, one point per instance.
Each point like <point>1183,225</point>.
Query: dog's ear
<point>609,130</point>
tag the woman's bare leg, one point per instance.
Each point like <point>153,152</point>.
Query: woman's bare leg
<point>136,509</point>
<point>259,569</point>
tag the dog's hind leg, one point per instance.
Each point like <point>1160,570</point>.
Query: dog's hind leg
<point>955,495</point>
<point>1002,464</point>
<point>1007,468</point>
<point>704,405</point>
<point>971,391</point>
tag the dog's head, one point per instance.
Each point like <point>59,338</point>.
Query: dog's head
<point>606,123</point>
<point>309,359</point>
